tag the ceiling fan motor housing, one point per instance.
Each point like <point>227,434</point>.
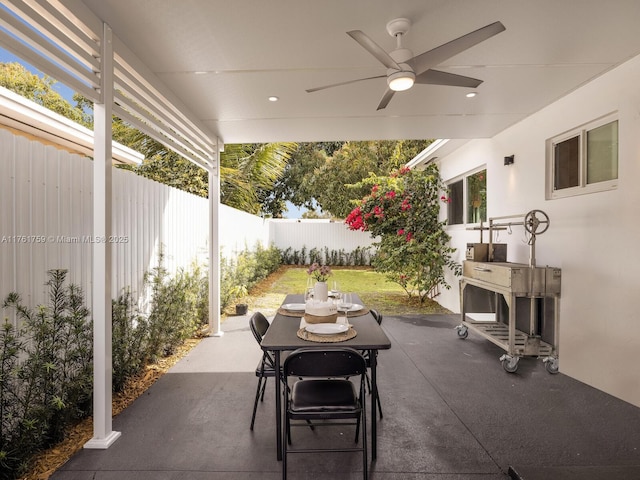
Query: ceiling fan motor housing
<point>401,55</point>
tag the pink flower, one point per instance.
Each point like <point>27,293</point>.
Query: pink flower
<point>354,220</point>
<point>391,195</point>
<point>409,236</point>
<point>401,231</point>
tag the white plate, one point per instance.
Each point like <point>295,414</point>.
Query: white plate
<point>327,328</point>
<point>294,307</point>
<point>354,307</point>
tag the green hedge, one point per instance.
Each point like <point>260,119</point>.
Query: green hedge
<point>361,256</point>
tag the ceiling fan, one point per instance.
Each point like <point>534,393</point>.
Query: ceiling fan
<point>404,69</point>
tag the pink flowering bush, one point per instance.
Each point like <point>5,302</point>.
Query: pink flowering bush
<point>402,210</point>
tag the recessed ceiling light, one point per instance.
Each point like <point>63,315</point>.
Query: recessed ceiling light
<point>471,94</point>
<point>273,98</point>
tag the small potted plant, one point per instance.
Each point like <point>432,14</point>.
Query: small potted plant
<point>240,291</point>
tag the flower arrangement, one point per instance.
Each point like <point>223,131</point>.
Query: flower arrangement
<point>320,272</point>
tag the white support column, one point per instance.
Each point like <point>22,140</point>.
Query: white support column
<point>214,247</point>
<point>103,436</point>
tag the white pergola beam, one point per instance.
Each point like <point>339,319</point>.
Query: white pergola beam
<point>144,93</point>
<point>46,66</point>
<point>64,30</point>
<point>159,137</point>
<point>146,78</point>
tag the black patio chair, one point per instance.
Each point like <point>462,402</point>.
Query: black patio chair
<point>266,367</point>
<point>324,395</point>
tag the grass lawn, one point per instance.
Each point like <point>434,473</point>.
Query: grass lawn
<point>374,289</point>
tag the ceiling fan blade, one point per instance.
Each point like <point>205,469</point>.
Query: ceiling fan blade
<point>426,60</point>
<point>386,98</point>
<point>311,90</point>
<point>437,77</point>
<point>374,49</point>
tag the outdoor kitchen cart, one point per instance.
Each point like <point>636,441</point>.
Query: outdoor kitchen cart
<point>514,305</point>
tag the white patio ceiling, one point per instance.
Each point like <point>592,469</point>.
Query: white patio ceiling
<point>223,59</point>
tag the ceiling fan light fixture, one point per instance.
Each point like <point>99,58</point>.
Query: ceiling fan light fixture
<point>401,81</point>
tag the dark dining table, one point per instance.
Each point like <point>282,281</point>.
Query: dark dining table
<point>282,336</point>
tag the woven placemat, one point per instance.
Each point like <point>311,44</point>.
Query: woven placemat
<point>338,337</point>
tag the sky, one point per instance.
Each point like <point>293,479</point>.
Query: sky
<point>8,57</point>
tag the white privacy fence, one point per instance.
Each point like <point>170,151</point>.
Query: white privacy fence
<point>46,223</point>
<point>316,234</point>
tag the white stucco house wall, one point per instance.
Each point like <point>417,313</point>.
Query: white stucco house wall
<point>594,238</point>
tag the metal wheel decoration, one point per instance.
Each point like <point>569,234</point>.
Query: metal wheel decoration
<point>535,225</point>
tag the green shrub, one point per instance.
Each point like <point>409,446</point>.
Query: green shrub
<point>176,308</point>
<point>361,256</point>
<point>51,387</point>
<point>46,376</point>
<point>239,274</point>
<point>129,339</point>
<point>11,347</point>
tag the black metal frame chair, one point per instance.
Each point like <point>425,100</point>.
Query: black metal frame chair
<point>266,368</point>
<point>324,395</point>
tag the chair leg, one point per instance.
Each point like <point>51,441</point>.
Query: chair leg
<point>259,391</point>
<point>377,396</point>
<point>365,457</point>
<point>264,386</point>
<point>286,431</point>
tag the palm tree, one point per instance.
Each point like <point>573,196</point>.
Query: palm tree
<point>247,171</point>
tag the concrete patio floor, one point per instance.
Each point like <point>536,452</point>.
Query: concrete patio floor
<point>450,413</point>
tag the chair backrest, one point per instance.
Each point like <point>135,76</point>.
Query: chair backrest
<point>377,315</point>
<point>259,326</point>
<point>325,362</point>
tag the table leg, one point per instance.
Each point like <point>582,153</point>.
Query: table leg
<point>374,400</point>
<point>278,406</point>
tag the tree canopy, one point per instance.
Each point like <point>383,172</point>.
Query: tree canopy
<point>326,175</point>
<point>18,79</point>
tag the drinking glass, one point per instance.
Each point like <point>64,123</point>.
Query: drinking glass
<point>347,301</point>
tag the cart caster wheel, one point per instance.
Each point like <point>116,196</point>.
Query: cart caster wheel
<point>509,363</point>
<point>463,332</point>
<point>551,365</point>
